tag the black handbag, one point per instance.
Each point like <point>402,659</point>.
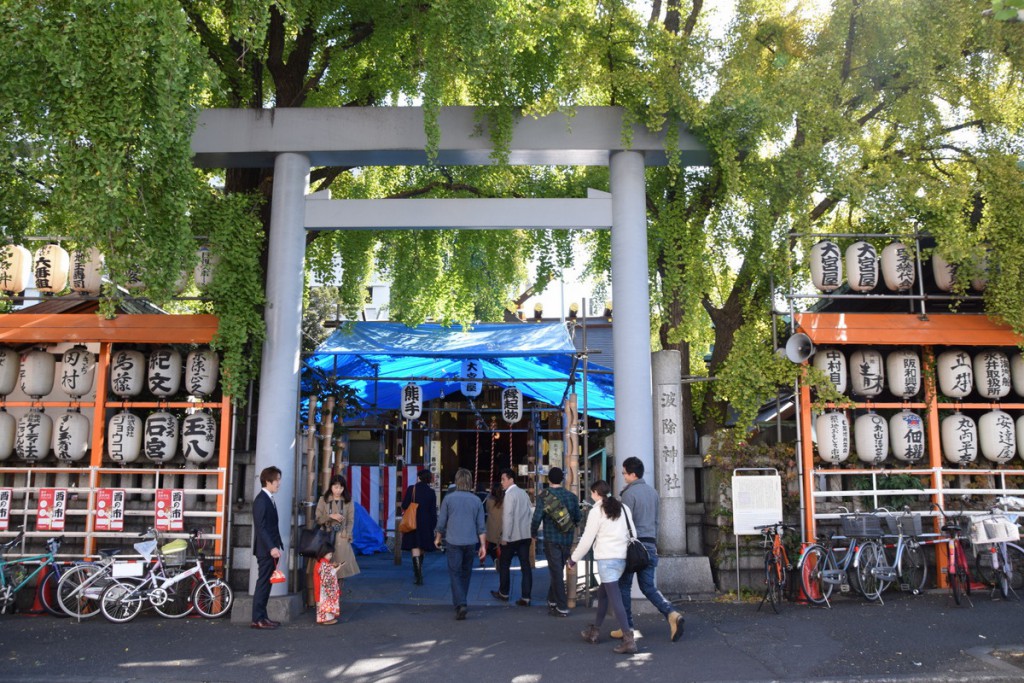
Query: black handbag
<point>637,557</point>
<point>312,540</point>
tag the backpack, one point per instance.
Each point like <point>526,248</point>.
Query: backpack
<point>559,514</point>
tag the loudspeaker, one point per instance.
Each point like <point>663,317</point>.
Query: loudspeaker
<point>799,347</point>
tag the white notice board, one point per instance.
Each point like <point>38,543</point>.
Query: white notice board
<point>756,502</point>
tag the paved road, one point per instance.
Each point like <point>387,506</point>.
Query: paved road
<point>393,631</point>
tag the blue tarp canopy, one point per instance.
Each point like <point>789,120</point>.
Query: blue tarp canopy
<point>521,355</point>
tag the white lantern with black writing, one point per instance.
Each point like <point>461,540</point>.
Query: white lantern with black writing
<point>898,271</point>
<point>998,436</point>
<point>71,436</point>
<point>956,373</point>
<point>472,377</point>
<point>87,271</point>
<point>833,433</point>
<point>412,401</point>
<point>199,438</point>
<point>201,368</point>
<point>15,268</point>
<point>50,267</point>
<point>511,405</point>
<point>32,443</point>
<point>992,374</point>
<point>77,371</point>
<point>127,372</point>
<point>862,266</point>
<point>906,436</point>
<point>903,369</point>
<point>832,362</point>
<point>37,372</point>
<point>124,438</point>
<point>8,433</point>
<point>871,438</point>
<point>10,369</point>
<point>160,440</point>
<point>959,439</point>
<point>867,373</point>
<point>826,266</point>
<point>944,272</point>
<point>205,267</point>
<point>1017,373</point>
<point>164,372</point>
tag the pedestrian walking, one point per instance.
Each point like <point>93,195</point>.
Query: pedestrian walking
<point>460,527</point>
<point>606,532</point>
<point>493,514</point>
<point>422,539</point>
<point>516,514</point>
<point>326,587</point>
<point>267,545</point>
<point>336,513</point>
<point>643,502</point>
<point>559,511</point>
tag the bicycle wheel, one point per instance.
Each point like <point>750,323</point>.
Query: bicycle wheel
<point>79,589</point>
<point>869,557</point>
<point>179,601</point>
<point>48,593</point>
<point>962,570</point>
<point>812,567</point>
<point>1015,566</point>
<point>771,586</point>
<point>120,601</point>
<point>955,585</point>
<point>912,569</point>
<point>212,598</point>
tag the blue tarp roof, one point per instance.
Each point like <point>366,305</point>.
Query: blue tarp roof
<point>431,355</point>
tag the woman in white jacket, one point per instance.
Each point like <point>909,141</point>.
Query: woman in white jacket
<point>606,532</point>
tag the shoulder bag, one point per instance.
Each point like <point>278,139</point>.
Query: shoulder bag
<point>637,557</point>
<point>408,523</point>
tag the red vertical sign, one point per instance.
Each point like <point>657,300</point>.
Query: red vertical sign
<point>170,509</point>
<point>5,507</point>
<point>50,509</point>
<point>110,510</point>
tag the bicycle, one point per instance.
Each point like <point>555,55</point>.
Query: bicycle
<point>958,575</point>
<point>776,564</point>
<point>79,589</point>
<point>821,568</point>
<point>999,562</point>
<point>123,599</point>
<point>909,568</point>
<point>15,574</point>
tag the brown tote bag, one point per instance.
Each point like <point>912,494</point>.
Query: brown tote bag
<point>408,523</point>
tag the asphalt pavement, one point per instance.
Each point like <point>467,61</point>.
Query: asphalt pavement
<point>392,630</point>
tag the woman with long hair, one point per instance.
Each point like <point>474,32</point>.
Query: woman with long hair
<point>492,506</point>
<point>606,532</point>
<point>422,539</point>
<point>335,512</point>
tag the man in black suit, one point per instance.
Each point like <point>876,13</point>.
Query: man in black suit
<point>266,544</point>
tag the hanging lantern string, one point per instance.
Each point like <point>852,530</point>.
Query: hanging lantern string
<point>493,464</point>
<point>476,470</point>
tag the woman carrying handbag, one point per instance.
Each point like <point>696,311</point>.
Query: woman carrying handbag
<point>420,540</point>
<point>335,512</point>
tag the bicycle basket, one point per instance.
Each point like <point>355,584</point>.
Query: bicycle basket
<point>912,525</point>
<point>861,525</point>
<point>993,530</point>
<point>174,552</point>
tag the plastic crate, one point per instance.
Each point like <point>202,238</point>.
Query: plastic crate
<point>912,524</point>
<point>861,526</point>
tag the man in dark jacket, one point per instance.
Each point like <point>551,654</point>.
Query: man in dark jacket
<point>266,544</point>
<point>557,543</point>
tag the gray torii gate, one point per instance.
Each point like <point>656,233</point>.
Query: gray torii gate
<point>293,140</point>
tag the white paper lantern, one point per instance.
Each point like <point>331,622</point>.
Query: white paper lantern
<point>832,362</point>
<point>906,436</point>
<point>205,268</point>
<point>512,405</point>
<point>50,267</point>
<point>8,432</point>
<point>862,266</point>
<point>871,438</point>
<point>160,441</point>
<point>959,439</point>
<point>124,438</point>
<point>471,370</point>
<point>15,268</point>
<point>201,369</point>
<point>87,271</point>
<point>992,374</point>
<point>127,372</point>
<point>826,266</point>
<point>833,433</point>
<point>77,371</point>
<point>71,437</point>
<point>199,438</point>
<point>412,401</point>
<point>32,442</point>
<point>164,372</point>
<point>956,373</point>
<point>903,369</point>
<point>945,273</point>
<point>998,436</point>
<point>898,269</point>
<point>10,369</point>
<point>867,373</point>
<point>1017,373</point>
<point>37,371</point>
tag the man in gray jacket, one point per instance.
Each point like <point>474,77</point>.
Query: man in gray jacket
<point>642,501</point>
<point>515,539</point>
<point>461,524</point>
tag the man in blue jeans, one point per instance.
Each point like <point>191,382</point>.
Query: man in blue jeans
<point>460,523</point>
<point>557,543</point>
<point>642,501</point>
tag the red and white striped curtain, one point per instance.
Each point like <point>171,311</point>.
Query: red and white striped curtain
<point>376,489</point>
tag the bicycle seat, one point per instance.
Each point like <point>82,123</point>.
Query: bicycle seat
<point>109,552</point>
<point>951,528</point>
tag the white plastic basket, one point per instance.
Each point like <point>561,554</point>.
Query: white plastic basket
<point>996,529</point>
<point>129,568</point>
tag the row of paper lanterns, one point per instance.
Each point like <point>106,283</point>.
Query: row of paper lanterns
<point>864,265</point>
<point>994,436</point>
<point>412,403</point>
<point>51,268</point>
<point>129,371</point>
<point>35,434</point>
<point>992,372</point>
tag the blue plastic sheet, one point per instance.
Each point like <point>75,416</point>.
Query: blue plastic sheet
<point>367,536</point>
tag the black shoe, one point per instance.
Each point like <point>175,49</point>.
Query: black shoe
<point>273,623</point>
<point>263,623</point>
<point>555,612</point>
<point>523,602</point>
<point>552,605</point>
<point>460,613</point>
<point>498,596</point>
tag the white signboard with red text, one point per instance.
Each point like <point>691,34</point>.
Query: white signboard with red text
<point>170,509</point>
<point>6,495</point>
<point>110,510</point>
<point>50,509</point>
